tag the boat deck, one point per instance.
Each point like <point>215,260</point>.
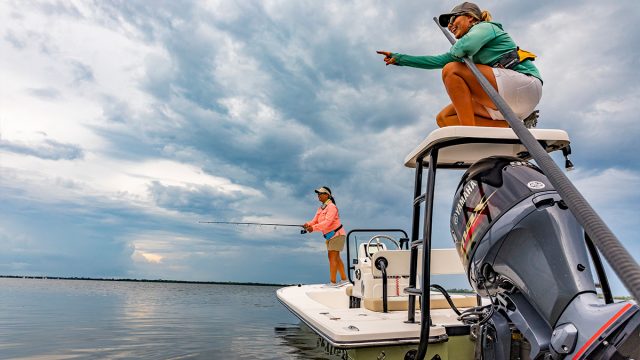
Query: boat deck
<point>326,311</point>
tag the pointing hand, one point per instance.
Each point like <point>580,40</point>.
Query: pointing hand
<point>388,59</point>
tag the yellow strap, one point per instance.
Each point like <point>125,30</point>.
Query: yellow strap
<point>526,55</point>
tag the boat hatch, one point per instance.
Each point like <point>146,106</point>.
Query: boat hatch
<point>467,144</point>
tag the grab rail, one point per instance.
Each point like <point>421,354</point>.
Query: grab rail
<point>350,265</point>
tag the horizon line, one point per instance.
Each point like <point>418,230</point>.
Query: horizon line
<point>47,277</point>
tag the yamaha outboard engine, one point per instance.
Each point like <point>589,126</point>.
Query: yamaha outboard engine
<point>524,250</point>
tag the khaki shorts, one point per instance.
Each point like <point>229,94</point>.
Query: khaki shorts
<point>336,243</point>
<point>522,92</point>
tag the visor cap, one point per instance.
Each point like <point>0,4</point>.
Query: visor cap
<point>323,190</point>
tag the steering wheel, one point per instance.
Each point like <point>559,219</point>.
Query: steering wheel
<point>378,245</point>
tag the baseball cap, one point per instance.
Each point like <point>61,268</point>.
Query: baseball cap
<point>464,8</point>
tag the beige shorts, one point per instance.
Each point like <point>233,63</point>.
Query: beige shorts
<point>522,92</point>
<point>336,243</point>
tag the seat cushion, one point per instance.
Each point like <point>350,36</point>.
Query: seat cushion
<point>399,303</point>
<point>394,303</point>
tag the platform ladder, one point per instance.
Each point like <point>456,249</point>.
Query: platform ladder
<point>425,242</point>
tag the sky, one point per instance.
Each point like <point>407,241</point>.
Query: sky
<point>125,123</point>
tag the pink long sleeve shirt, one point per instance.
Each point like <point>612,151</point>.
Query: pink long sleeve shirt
<point>327,219</point>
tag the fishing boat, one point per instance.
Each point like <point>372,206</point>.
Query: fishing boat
<point>527,241</point>
<point>376,315</point>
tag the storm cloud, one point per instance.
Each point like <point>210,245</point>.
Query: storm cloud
<point>123,124</point>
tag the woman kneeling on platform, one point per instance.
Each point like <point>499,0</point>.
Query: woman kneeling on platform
<point>509,70</point>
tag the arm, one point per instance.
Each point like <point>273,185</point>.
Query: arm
<point>309,225</point>
<point>424,62</point>
<point>330,218</point>
<point>477,37</point>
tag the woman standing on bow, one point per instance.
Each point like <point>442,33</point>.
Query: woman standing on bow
<point>515,78</point>
<point>327,220</point>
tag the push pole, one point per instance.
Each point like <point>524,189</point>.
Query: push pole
<point>624,265</point>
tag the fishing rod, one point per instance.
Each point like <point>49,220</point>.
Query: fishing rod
<point>252,223</point>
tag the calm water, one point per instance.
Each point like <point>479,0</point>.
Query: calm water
<point>71,319</point>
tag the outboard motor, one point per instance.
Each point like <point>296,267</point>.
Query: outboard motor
<point>523,249</point>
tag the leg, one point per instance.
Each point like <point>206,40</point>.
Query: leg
<point>340,265</point>
<point>449,117</point>
<point>468,99</point>
<point>333,266</point>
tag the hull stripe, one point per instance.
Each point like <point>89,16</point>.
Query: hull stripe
<point>602,329</point>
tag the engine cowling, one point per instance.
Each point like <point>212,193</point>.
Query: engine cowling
<point>522,247</point>
<point>488,189</point>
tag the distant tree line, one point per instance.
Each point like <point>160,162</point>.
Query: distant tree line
<point>450,291</point>
<point>460,291</point>
<point>138,280</point>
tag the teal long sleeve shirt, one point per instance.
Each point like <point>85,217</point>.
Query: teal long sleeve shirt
<point>485,43</point>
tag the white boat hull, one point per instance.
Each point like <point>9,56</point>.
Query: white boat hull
<point>363,332</point>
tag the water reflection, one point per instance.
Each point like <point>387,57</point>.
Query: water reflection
<point>305,343</point>
<point>65,319</point>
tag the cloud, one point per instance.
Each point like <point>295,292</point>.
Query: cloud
<point>46,93</point>
<point>147,257</point>
<point>36,244</point>
<point>197,199</point>
<point>125,123</point>
<point>47,149</point>
<point>14,40</point>
<point>81,72</point>
<point>607,190</point>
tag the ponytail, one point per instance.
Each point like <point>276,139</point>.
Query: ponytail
<point>330,196</point>
<point>486,16</point>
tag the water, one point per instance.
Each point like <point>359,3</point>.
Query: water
<point>73,319</point>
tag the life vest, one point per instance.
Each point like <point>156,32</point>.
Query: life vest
<point>511,59</point>
<point>526,55</point>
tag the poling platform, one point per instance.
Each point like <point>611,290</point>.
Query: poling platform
<point>477,142</point>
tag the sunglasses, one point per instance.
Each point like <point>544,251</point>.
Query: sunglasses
<point>453,18</point>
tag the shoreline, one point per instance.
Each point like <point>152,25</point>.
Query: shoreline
<point>138,280</point>
<point>452,291</point>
